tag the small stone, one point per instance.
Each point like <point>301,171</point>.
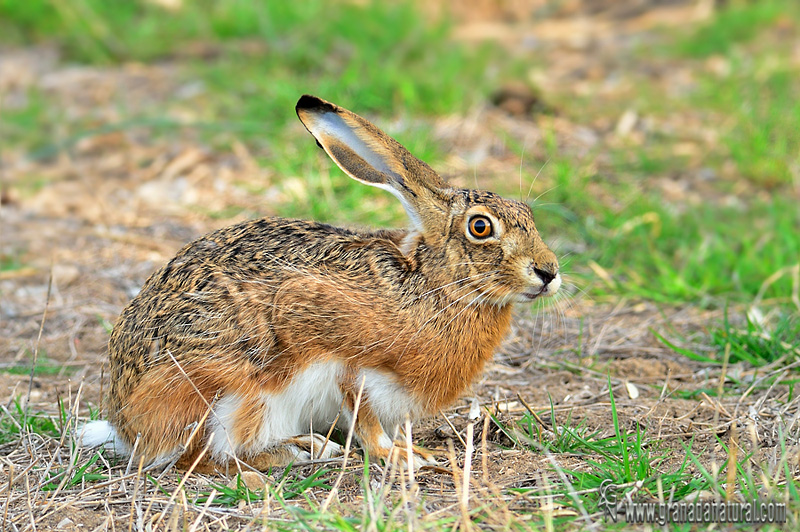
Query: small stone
<point>66,522</point>
<point>474,409</point>
<point>633,391</point>
<point>626,123</point>
<point>254,481</point>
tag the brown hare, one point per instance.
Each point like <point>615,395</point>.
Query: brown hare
<point>260,336</point>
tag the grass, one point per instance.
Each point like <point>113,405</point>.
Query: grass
<point>764,141</point>
<point>16,421</point>
<point>567,438</point>
<point>267,53</point>
<point>622,458</point>
<point>758,342</point>
<point>740,228</point>
<point>287,487</point>
<point>631,465</point>
<point>41,369</point>
<point>44,366</point>
<point>23,122</point>
<point>391,35</point>
<point>83,473</point>
<point>10,263</point>
<point>703,253</point>
<point>739,24</point>
<point>263,54</point>
<point>631,460</point>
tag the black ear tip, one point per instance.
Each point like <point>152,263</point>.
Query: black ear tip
<point>308,102</point>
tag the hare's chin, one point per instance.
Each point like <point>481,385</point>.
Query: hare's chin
<point>530,296</point>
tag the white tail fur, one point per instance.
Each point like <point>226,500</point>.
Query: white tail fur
<point>102,434</point>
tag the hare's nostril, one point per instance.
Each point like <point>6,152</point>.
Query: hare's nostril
<point>545,275</point>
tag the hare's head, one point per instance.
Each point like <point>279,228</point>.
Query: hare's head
<point>484,242</point>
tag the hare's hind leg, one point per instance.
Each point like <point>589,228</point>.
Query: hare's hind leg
<point>296,449</point>
<point>265,430</point>
<point>383,406</point>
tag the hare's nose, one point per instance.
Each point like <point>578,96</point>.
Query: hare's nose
<point>546,274</point>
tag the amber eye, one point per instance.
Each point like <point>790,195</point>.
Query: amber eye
<point>480,227</point>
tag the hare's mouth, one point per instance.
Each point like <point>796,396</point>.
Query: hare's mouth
<point>530,296</point>
<point>544,291</point>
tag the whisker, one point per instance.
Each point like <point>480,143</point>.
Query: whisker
<point>542,194</point>
<point>528,195</point>
<point>521,161</point>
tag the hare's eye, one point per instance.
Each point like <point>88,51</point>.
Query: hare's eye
<point>480,227</point>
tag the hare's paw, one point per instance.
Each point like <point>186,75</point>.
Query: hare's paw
<point>424,456</point>
<point>314,447</point>
<point>398,452</point>
<point>297,449</point>
<point>419,455</point>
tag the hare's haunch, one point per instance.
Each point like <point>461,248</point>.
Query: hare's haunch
<point>256,338</point>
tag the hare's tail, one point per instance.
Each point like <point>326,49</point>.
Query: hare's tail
<point>101,433</point>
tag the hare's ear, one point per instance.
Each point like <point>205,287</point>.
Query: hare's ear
<point>369,155</point>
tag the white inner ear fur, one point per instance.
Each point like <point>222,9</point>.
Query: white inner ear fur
<point>333,126</point>
<point>416,221</point>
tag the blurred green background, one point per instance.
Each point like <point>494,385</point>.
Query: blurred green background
<point>692,196</point>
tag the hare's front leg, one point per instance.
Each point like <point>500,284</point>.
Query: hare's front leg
<point>378,444</point>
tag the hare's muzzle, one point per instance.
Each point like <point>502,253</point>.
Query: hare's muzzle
<point>545,281</point>
<point>545,275</point>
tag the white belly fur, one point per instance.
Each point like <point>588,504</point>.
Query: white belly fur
<point>389,400</point>
<point>313,396</point>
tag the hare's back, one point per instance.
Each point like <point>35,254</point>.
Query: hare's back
<point>216,297</point>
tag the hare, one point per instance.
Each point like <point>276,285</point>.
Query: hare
<point>257,338</point>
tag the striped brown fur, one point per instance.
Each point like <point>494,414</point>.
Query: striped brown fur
<point>244,311</point>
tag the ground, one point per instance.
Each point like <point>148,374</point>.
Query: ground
<point>90,216</point>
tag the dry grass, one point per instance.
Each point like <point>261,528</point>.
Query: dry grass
<point>483,480</point>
